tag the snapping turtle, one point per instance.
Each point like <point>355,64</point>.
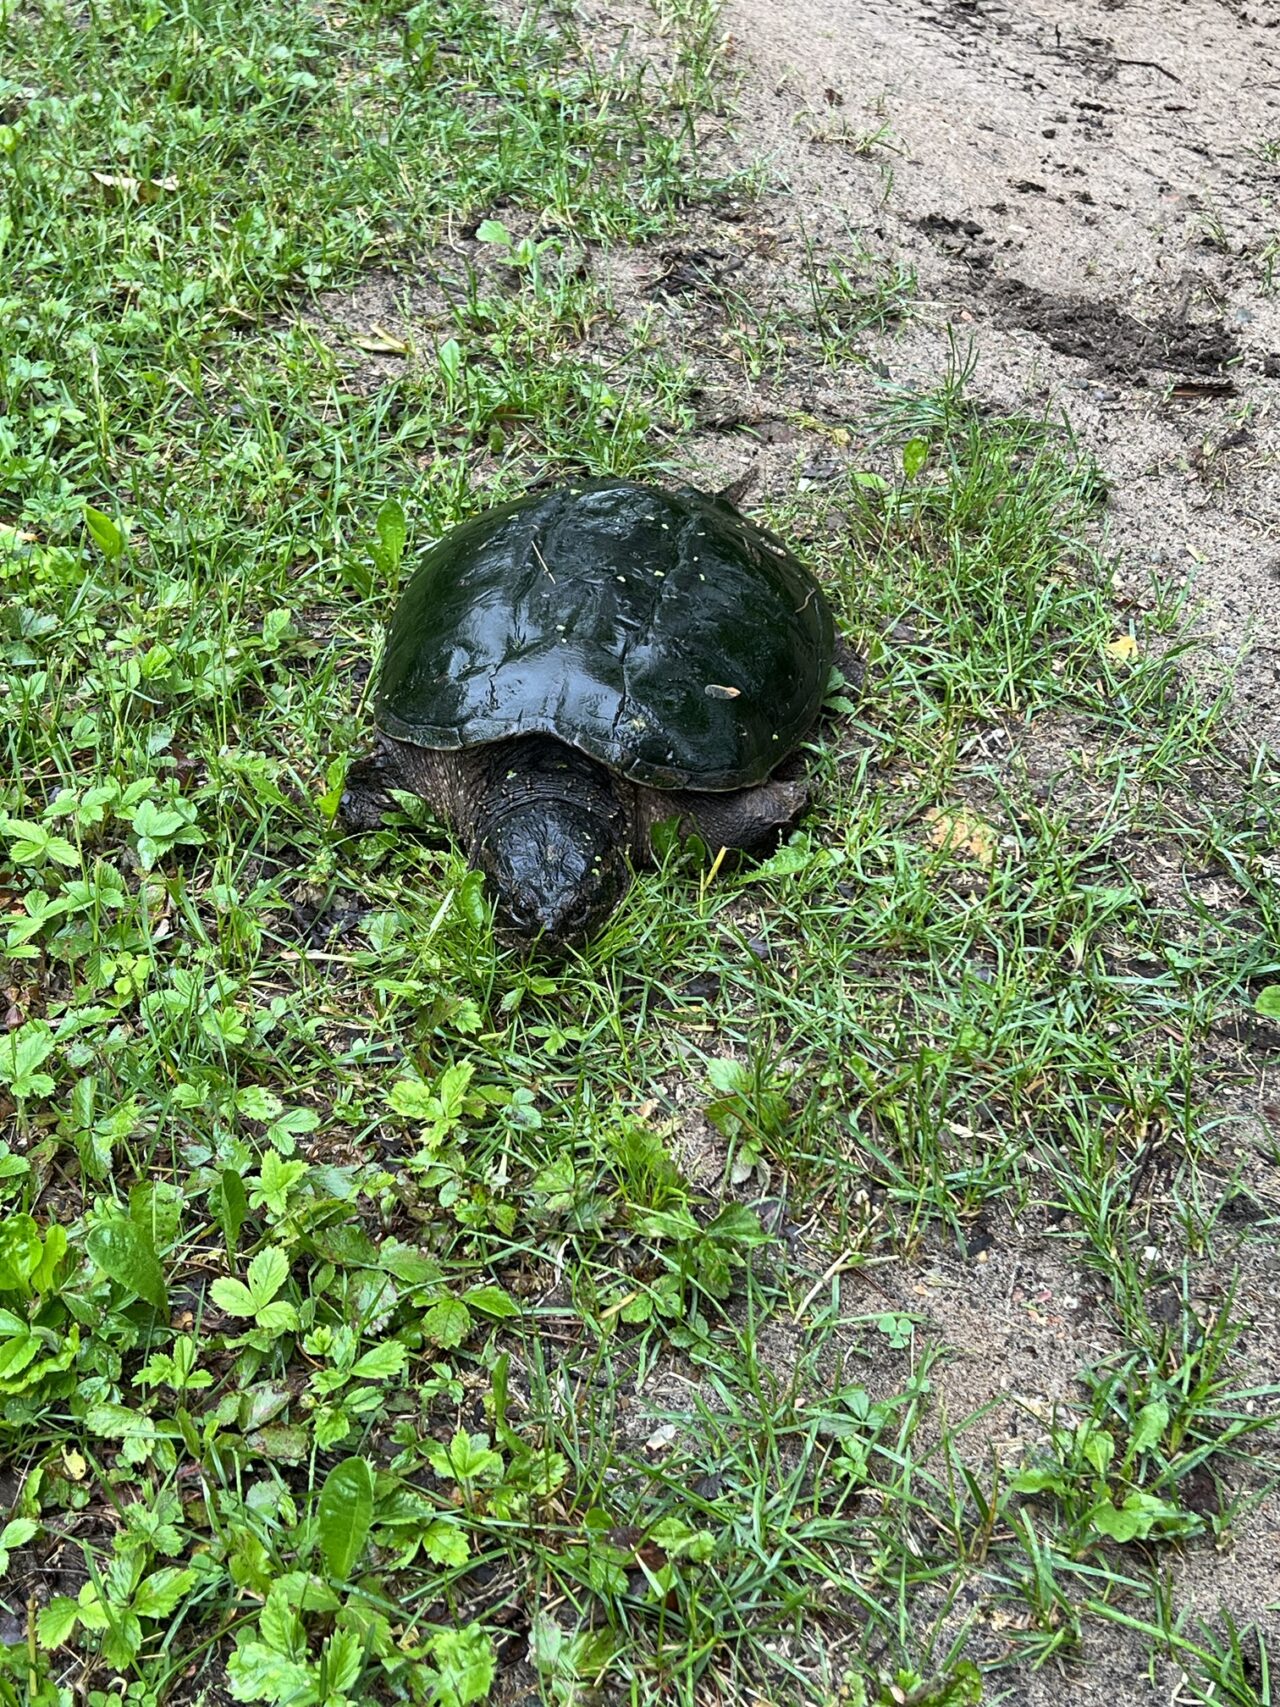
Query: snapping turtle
<point>566,672</point>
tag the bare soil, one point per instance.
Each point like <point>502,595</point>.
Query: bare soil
<point>1085,189</point>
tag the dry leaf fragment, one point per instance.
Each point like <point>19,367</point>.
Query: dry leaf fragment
<point>1124,648</point>
<point>124,188</point>
<point>379,342</point>
<point>957,830</point>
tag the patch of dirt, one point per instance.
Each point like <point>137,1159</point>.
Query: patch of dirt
<point>1108,338</point>
<point>1087,194</point>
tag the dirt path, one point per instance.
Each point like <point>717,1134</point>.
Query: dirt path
<point>1093,188</point>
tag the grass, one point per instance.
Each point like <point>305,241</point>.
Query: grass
<point>381,1312</point>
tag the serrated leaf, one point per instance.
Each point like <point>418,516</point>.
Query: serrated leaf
<point>739,1224</point>
<point>408,1263</point>
<point>344,1654</point>
<point>256,1672</point>
<point>447,1322</point>
<point>468,1663</point>
<point>413,1098</point>
<point>124,1251</point>
<point>234,1297</point>
<point>267,1273</point>
<point>381,1362</point>
<point>277,1318</point>
<point>23,1051</point>
<point>493,231</point>
<point>1124,648</point>
<point>258,1103</point>
<point>158,1594</point>
<point>280,1623</point>
<point>118,1422</point>
<point>446,1543</point>
<point>344,1514</point>
<point>56,1621</point>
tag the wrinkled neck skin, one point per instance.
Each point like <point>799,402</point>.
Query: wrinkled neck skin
<point>551,839</point>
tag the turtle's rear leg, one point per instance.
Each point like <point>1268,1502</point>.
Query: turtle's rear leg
<point>749,820</point>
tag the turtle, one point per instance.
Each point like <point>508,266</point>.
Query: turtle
<point>568,671</point>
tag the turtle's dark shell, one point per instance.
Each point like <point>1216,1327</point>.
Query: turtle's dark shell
<point>660,632</point>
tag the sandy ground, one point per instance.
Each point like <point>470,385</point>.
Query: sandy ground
<point>1111,156</point>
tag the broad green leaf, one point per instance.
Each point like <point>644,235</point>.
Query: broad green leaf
<point>467,1662</point>
<point>256,1672</point>
<point>392,531</point>
<point>1268,1002</point>
<point>20,1252</point>
<point>22,1052</point>
<point>277,1318</point>
<point>449,355</point>
<point>409,1264</point>
<point>380,1363</point>
<point>345,1512</point>
<point>446,1543</point>
<point>491,1301</point>
<point>17,1532</point>
<point>413,1098</point>
<point>915,453</point>
<point>344,1656</point>
<point>1037,1482</point>
<point>729,1076</point>
<point>280,1624</point>
<point>235,1207</point>
<point>124,1251</point>
<point>1119,1524</point>
<point>258,1103</point>
<point>1098,1449</point>
<point>107,535</point>
<point>118,1422</point>
<point>1149,1428</point>
<point>493,231</point>
<point>738,1223</point>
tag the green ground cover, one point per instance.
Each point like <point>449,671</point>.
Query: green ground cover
<point>365,1332</point>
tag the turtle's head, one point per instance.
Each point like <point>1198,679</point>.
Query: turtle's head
<point>557,870</point>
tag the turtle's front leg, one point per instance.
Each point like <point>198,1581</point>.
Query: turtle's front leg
<point>365,794</point>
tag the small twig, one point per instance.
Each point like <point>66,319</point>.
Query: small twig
<point>1151,65</point>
